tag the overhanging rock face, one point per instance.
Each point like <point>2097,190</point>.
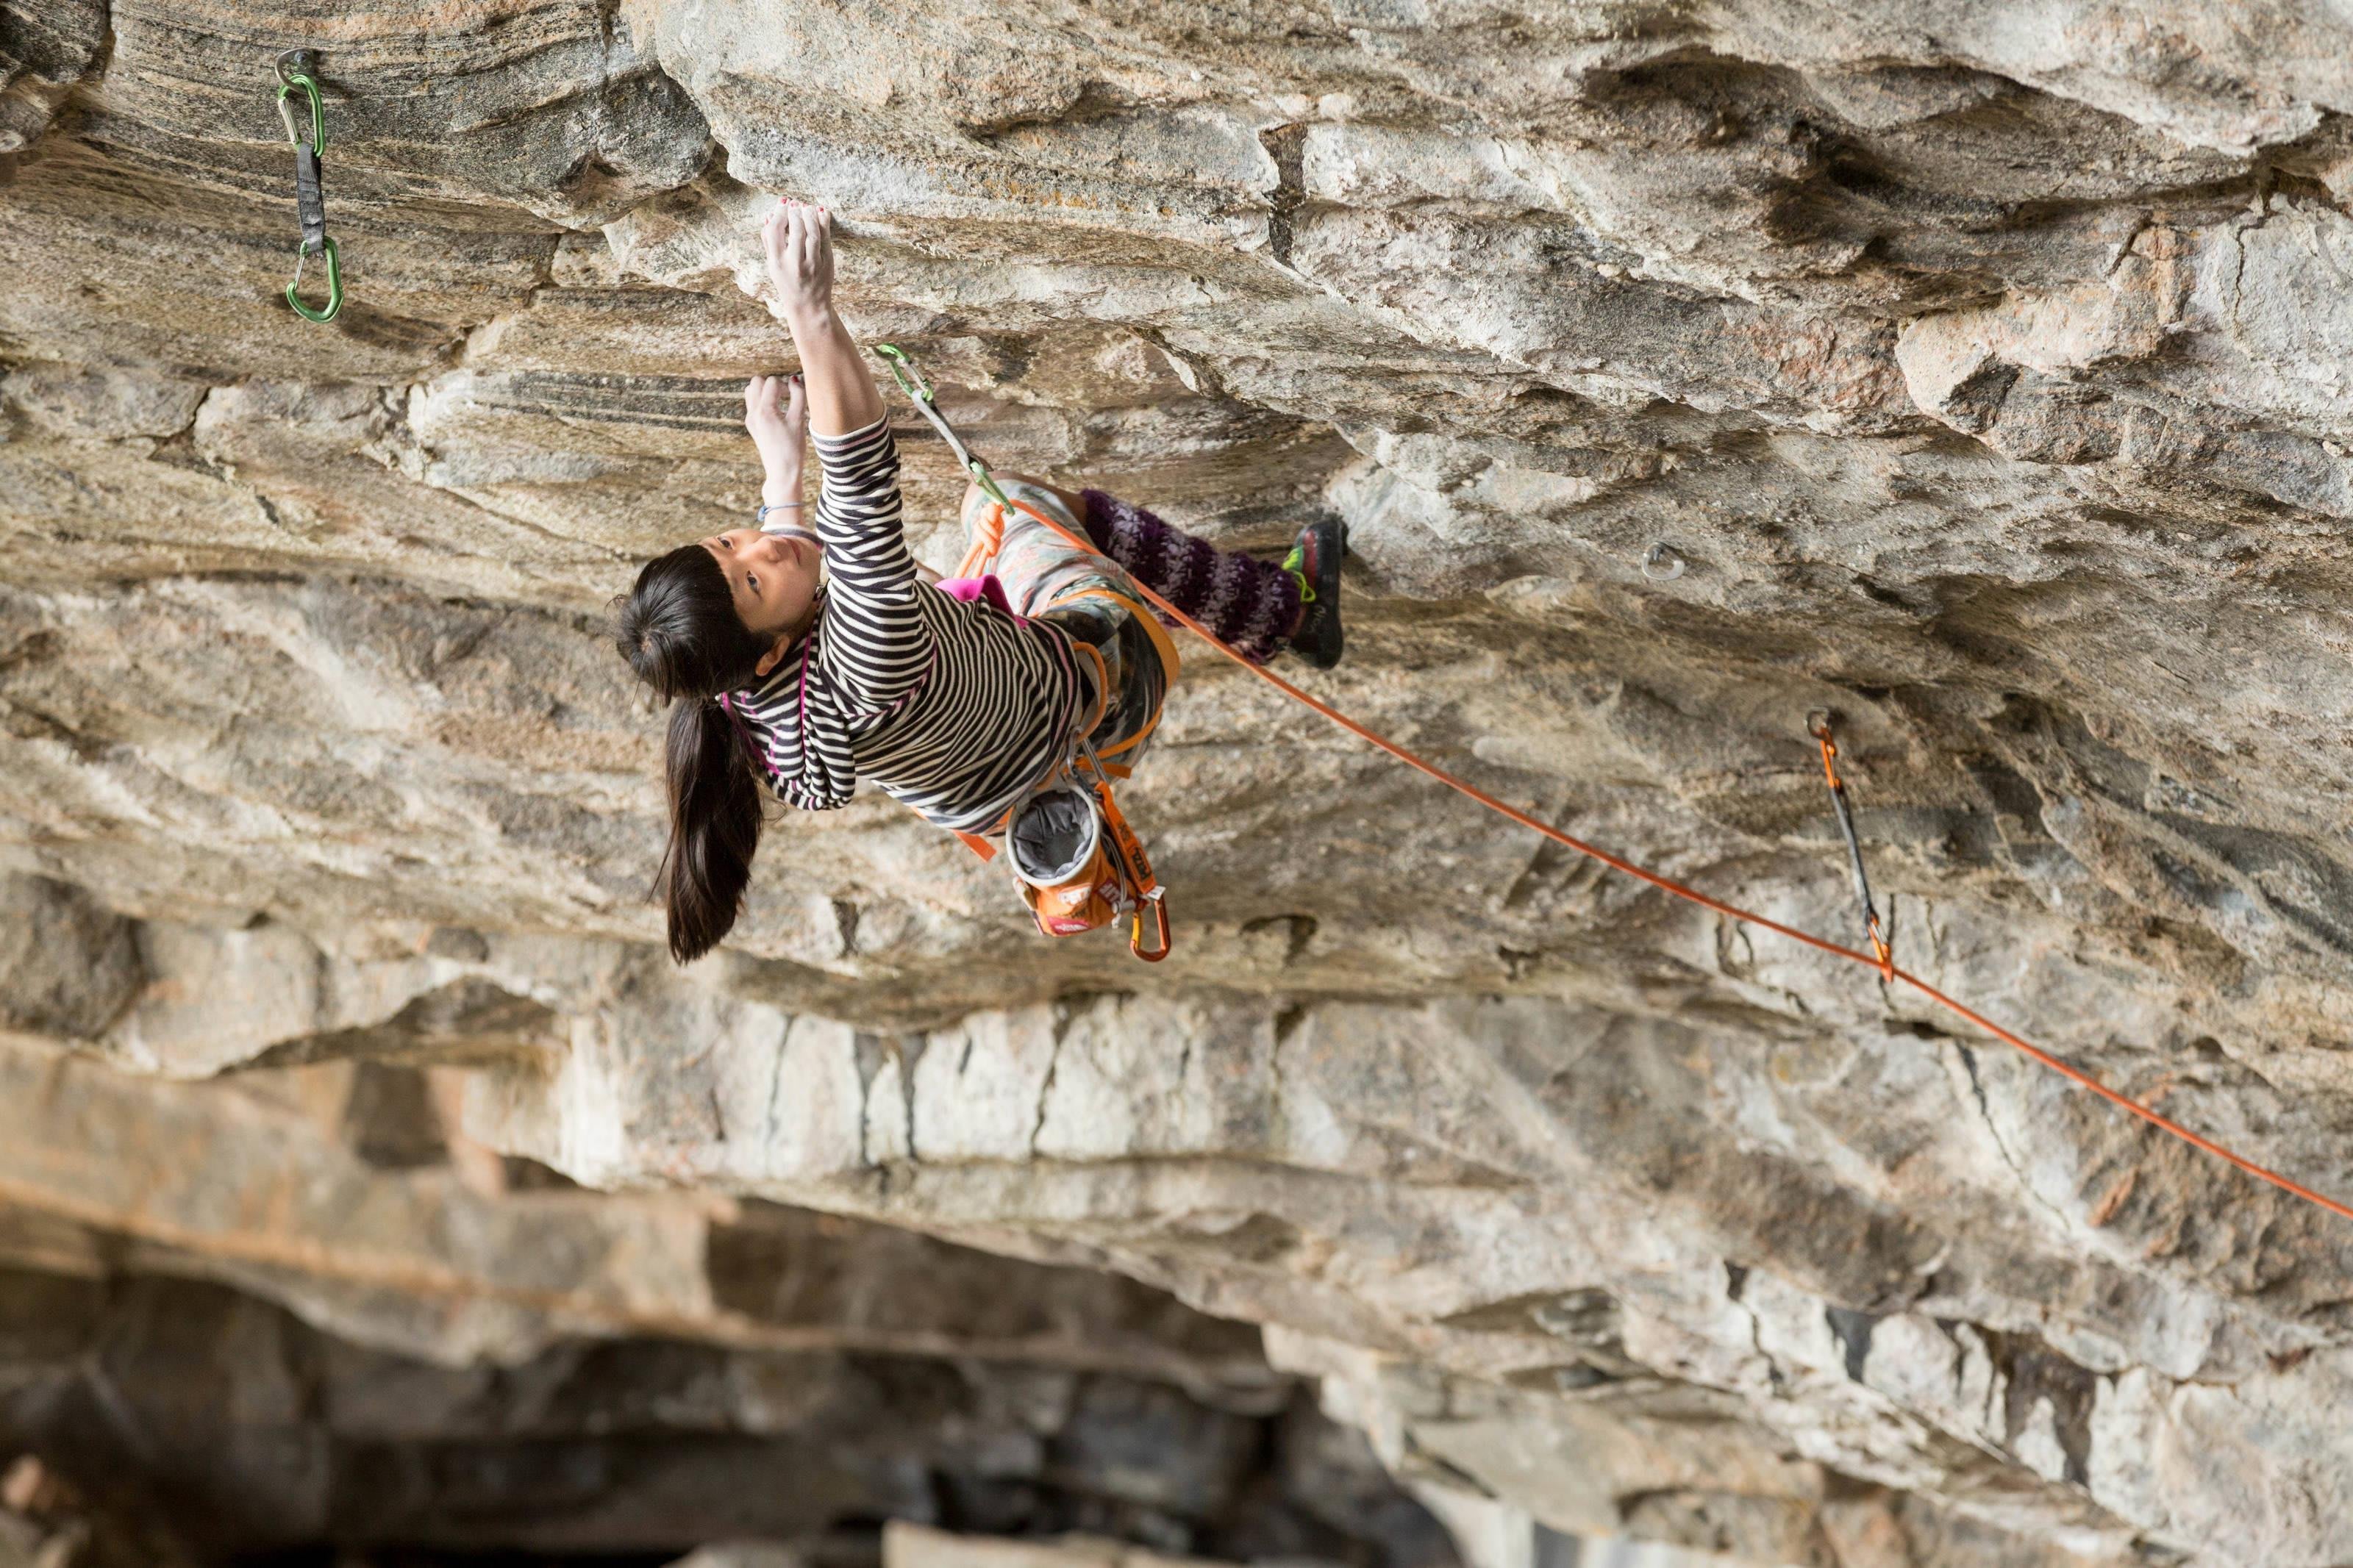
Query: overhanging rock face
<point>240,1317</point>
<point>1986,367</point>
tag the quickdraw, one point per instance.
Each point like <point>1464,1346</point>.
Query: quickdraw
<point>1818,725</point>
<point>918,389</point>
<point>297,72</point>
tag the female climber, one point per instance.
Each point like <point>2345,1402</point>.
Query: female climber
<point>813,653</point>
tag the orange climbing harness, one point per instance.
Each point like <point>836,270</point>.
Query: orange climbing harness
<point>1881,960</point>
<point>1077,862</point>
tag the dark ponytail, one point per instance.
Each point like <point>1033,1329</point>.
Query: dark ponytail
<point>678,629</point>
<point>715,826</point>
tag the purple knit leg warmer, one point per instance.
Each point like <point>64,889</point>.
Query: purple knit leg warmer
<point>1249,604</point>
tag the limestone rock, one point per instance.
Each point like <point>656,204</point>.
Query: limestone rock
<point>72,965</point>
<point>283,1308</point>
<point>1984,365</point>
<point>249,1433</point>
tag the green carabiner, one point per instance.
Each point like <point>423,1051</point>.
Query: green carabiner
<point>987,482</point>
<point>334,283</point>
<point>318,111</point>
<point>902,367</point>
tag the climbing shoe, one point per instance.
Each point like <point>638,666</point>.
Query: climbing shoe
<point>1315,560</point>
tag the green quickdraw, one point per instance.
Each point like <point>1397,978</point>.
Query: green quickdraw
<point>298,71</point>
<point>918,391</point>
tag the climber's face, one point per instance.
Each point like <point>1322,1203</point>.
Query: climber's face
<point>772,576</point>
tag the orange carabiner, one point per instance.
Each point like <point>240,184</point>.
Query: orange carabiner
<point>1159,903</point>
<point>1818,725</point>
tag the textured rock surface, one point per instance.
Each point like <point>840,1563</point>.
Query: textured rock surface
<point>279,1312</point>
<point>1985,364</point>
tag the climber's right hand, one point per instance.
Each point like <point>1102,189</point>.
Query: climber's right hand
<point>775,413</point>
<point>799,239</point>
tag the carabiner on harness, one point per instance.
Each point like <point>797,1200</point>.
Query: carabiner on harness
<point>1157,902</point>
<point>298,72</point>
<point>1818,725</point>
<point>1139,888</point>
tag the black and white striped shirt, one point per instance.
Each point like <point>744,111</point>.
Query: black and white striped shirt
<point>954,707</point>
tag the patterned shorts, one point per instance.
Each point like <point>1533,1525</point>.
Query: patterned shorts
<point>1042,574</point>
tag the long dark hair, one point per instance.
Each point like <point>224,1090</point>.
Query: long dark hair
<point>678,629</point>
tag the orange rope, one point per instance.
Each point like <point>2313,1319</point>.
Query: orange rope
<point>1732,911</point>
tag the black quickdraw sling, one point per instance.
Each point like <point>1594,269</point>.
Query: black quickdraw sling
<point>297,72</point>
<point>1818,725</point>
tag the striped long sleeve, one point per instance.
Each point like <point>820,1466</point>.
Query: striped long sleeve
<point>954,708</point>
<point>875,645</point>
